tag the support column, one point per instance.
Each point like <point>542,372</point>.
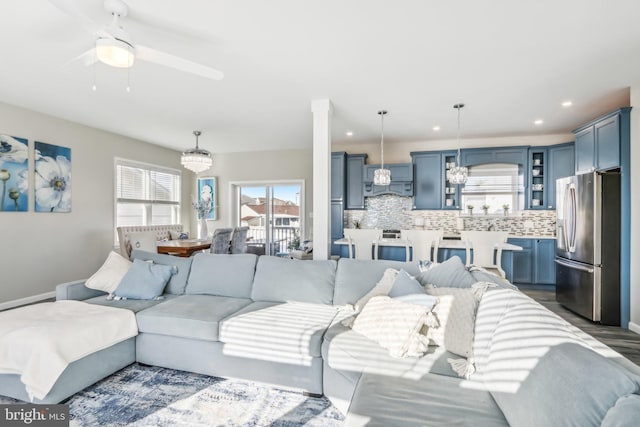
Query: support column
<point>321,109</point>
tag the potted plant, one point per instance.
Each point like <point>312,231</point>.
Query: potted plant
<point>485,208</point>
<point>470,209</point>
<point>505,207</point>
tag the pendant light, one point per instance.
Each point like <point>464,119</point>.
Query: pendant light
<point>382,176</point>
<point>458,174</point>
<point>196,159</point>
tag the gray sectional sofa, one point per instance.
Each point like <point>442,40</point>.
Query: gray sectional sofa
<point>279,321</point>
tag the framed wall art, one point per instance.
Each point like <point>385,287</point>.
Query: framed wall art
<point>14,174</point>
<point>207,195</point>
<point>52,184</point>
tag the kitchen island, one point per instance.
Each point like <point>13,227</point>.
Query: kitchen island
<point>395,249</point>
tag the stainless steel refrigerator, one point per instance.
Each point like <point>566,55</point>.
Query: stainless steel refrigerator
<point>588,245</point>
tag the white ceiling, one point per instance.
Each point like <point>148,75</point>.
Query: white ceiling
<point>511,62</point>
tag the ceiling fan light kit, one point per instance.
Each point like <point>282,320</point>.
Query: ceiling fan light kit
<point>196,159</point>
<point>114,52</point>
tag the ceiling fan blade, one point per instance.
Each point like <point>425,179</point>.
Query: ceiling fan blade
<point>168,60</point>
<point>70,8</point>
<point>87,58</point>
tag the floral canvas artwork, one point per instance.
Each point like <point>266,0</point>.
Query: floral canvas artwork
<point>207,198</point>
<point>52,186</point>
<point>14,174</point>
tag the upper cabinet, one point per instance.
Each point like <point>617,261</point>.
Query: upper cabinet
<point>355,181</point>
<point>597,145</point>
<point>338,165</point>
<point>401,180</point>
<point>546,165</point>
<point>561,164</point>
<point>479,156</point>
<point>431,188</point>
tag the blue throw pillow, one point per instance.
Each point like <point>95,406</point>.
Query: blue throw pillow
<point>144,280</point>
<point>449,274</point>
<point>405,285</point>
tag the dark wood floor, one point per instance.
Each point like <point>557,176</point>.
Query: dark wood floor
<point>621,340</point>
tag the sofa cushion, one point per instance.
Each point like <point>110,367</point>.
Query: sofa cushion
<point>283,332</point>
<point>352,353</point>
<point>144,280</point>
<point>481,275</point>
<point>405,285</point>
<point>434,400</point>
<point>451,274</point>
<point>540,373</point>
<point>134,305</point>
<point>178,281</point>
<point>625,413</point>
<point>190,316</point>
<point>222,274</point>
<point>355,277</point>
<point>280,280</point>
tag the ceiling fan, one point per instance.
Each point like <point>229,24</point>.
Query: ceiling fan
<point>114,46</point>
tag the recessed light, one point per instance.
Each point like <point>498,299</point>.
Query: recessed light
<point>436,128</point>
<point>567,104</point>
<point>349,133</point>
<point>538,122</point>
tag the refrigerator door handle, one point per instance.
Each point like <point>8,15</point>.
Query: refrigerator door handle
<point>571,214</point>
<point>575,266</point>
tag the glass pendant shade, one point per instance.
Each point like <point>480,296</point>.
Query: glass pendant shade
<point>114,52</point>
<point>196,159</point>
<point>382,176</point>
<point>458,174</point>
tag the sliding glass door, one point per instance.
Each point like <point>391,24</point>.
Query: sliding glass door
<point>273,213</point>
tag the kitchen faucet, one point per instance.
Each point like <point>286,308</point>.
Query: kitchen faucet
<point>491,226</point>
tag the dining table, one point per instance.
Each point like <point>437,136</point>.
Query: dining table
<point>183,248</point>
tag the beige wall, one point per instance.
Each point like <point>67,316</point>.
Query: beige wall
<point>259,166</point>
<point>40,250</point>
<point>398,152</point>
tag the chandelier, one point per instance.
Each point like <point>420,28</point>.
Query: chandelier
<point>196,159</point>
<point>458,174</point>
<point>382,176</point>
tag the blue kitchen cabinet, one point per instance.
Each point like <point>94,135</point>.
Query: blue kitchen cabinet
<point>480,156</point>
<point>450,192</point>
<point>545,262</point>
<point>429,180</point>
<point>561,163</point>
<point>401,180</point>
<point>598,143</point>
<point>338,164</point>
<point>537,178</point>
<point>535,264</point>
<point>338,189</point>
<point>355,181</point>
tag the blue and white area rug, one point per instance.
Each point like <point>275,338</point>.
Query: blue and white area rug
<point>152,396</point>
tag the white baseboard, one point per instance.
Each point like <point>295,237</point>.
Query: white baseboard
<point>27,300</point>
<point>634,327</point>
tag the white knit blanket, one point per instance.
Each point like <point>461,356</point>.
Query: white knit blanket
<point>39,341</point>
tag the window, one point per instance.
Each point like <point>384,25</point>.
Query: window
<point>146,194</point>
<point>273,212</point>
<point>494,185</point>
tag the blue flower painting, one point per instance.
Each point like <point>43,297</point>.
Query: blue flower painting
<point>52,178</point>
<point>206,205</point>
<point>14,174</point>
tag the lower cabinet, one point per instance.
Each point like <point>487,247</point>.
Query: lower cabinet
<point>535,264</point>
<point>337,226</point>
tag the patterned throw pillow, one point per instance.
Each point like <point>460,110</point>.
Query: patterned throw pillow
<point>178,235</point>
<point>394,325</point>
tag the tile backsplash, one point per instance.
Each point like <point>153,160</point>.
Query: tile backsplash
<point>394,212</point>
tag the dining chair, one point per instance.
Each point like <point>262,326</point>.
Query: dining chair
<point>422,242</point>
<point>239,240</point>
<point>486,250</point>
<point>363,240</point>
<point>221,241</point>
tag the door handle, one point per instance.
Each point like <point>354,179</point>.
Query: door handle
<point>575,266</point>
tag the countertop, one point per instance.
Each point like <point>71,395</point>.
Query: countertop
<point>444,244</point>
<point>511,236</point>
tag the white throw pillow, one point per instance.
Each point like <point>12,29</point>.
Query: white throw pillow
<point>456,316</point>
<point>144,241</point>
<point>393,324</point>
<point>178,235</point>
<point>108,277</point>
